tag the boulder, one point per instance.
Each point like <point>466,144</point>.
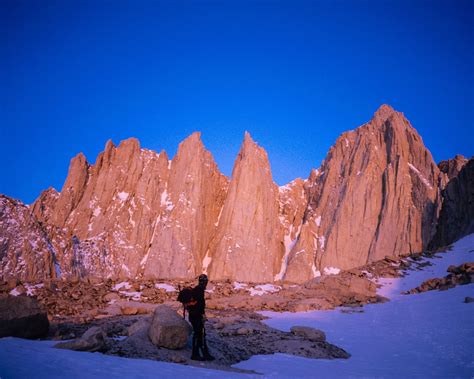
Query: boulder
<point>469,299</point>
<point>22,316</point>
<point>308,333</point>
<point>94,339</point>
<point>168,329</point>
<point>140,326</point>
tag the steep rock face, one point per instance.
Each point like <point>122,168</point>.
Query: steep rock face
<point>376,194</point>
<point>248,243</point>
<point>191,203</point>
<point>451,167</point>
<point>103,220</point>
<point>456,219</point>
<point>25,251</point>
<point>135,213</point>
<point>293,200</point>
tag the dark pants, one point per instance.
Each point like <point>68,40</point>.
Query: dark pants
<point>198,328</point>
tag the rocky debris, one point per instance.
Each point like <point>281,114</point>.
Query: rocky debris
<point>88,300</point>
<point>127,310</point>
<point>77,298</point>
<point>94,339</point>
<point>308,333</point>
<point>456,219</point>
<point>232,336</point>
<point>347,288</point>
<point>22,316</point>
<point>167,329</point>
<point>458,275</point>
<point>375,194</point>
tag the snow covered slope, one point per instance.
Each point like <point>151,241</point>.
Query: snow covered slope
<point>413,336</point>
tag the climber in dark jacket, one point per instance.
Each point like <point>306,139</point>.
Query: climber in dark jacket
<point>197,318</point>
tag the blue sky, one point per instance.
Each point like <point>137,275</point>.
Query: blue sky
<point>294,74</point>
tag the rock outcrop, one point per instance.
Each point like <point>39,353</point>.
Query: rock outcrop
<point>456,219</point>
<point>94,339</point>
<point>458,275</point>
<point>308,333</point>
<point>376,194</point>
<point>22,316</point>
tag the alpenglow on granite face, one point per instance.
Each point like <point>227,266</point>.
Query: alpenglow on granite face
<point>136,214</point>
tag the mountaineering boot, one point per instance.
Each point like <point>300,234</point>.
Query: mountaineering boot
<point>205,352</point>
<point>195,356</point>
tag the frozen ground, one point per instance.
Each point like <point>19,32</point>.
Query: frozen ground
<point>413,336</point>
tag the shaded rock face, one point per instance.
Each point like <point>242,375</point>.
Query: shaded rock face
<point>456,219</point>
<point>451,167</point>
<point>376,194</point>
<point>248,243</point>
<point>25,251</point>
<point>22,316</point>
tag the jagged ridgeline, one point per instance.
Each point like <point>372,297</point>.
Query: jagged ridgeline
<point>135,213</point>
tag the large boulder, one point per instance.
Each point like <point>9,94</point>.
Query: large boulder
<point>168,329</point>
<point>94,339</point>
<point>22,316</point>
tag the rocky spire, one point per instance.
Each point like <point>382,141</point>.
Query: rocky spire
<point>248,244</point>
<point>190,207</point>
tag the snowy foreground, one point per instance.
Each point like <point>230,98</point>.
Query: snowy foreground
<point>424,335</point>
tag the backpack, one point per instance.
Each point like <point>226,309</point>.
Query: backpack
<point>187,298</point>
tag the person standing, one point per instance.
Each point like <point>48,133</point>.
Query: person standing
<point>196,318</point>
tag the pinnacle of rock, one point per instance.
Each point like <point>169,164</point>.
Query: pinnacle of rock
<point>384,112</point>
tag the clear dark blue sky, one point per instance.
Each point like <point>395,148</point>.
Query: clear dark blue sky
<point>294,74</point>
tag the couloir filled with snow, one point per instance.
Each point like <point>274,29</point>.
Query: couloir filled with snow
<point>424,335</point>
